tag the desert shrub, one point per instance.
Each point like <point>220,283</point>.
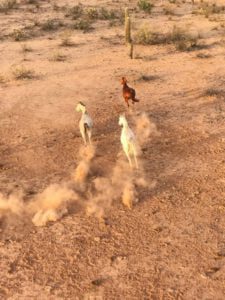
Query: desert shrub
<point>21,73</point>
<point>6,5</point>
<point>105,14</point>
<point>147,77</point>
<point>19,35</point>
<point>2,79</point>
<point>84,25</point>
<point>208,9</point>
<point>66,39</point>
<point>25,48</point>
<point>145,5</point>
<point>51,24</point>
<point>203,55</point>
<point>169,10</point>
<point>182,39</point>
<point>213,92</point>
<point>145,36</point>
<point>32,1</point>
<point>92,13</point>
<point>75,12</point>
<point>57,56</point>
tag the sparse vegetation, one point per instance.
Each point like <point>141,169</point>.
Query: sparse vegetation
<point>92,13</point>
<point>19,35</point>
<point>208,9</point>
<point>105,14</point>
<point>169,10</point>
<point>145,5</point>
<point>66,39</point>
<point>57,56</point>
<point>6,5</point>
<point>213,92</point>
<point>21,73</point>
<point>32,1</point>
<point>147,77</point>
<point>75,12</point>
<point>2,79</point>
<point>203,55</point>
<point>182,39</point>
<point>51,24</point>
<point>147,37</point>
<point>85,17</point>
<point>25,48</point>
<point>84,25</point>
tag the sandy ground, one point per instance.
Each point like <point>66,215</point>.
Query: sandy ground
<point>171,245</point>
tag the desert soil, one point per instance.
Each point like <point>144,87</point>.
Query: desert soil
<point>171,245</point>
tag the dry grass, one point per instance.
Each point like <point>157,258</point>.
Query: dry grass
<point>19,35</point>
<point>213,92</point>
<point>203,55</point>
<point>21,73</point>
<point>6,5</point>
<point>208,9</point>
<point>58,56</point>
<point>84,25</point>
<point>66,39</point>
<point>2,79</point>
<point>51,24</point>
<point>25,48</point>
<point>169,10</point>
<point>181,38</point>
<point>147,78</point>
<point>145,5</point>
<point>86,17</point>
<point>75,12</point>
<point>145,36</point>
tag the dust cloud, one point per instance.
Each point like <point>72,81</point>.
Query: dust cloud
<point>97,195</point>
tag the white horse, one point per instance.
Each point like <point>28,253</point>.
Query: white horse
<point>128,141</point>
<point>85,123</point>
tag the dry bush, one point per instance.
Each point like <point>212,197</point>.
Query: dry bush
<point>145,5</point>
<point>182,39</point>
<point>66,39</point>
<point>25,48</point>
<point>75,12</point>
<point>19,35</point>
<point>105,14</point>
<point>51,24</point>
<point>32,2</point>
<point>6,5</point>
<point>147,77</point>
<point>2,79</point>
<point>145,36</point>
<point>84,25</point>
<point>208,9</point>
<point>213,92</point>
<point>92,13</point>
<point>57,56</point>
<point>21,73</point>
<point>169,10</point>
<point>203,55</point>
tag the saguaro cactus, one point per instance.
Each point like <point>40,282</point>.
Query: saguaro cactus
<point>128,38</point>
